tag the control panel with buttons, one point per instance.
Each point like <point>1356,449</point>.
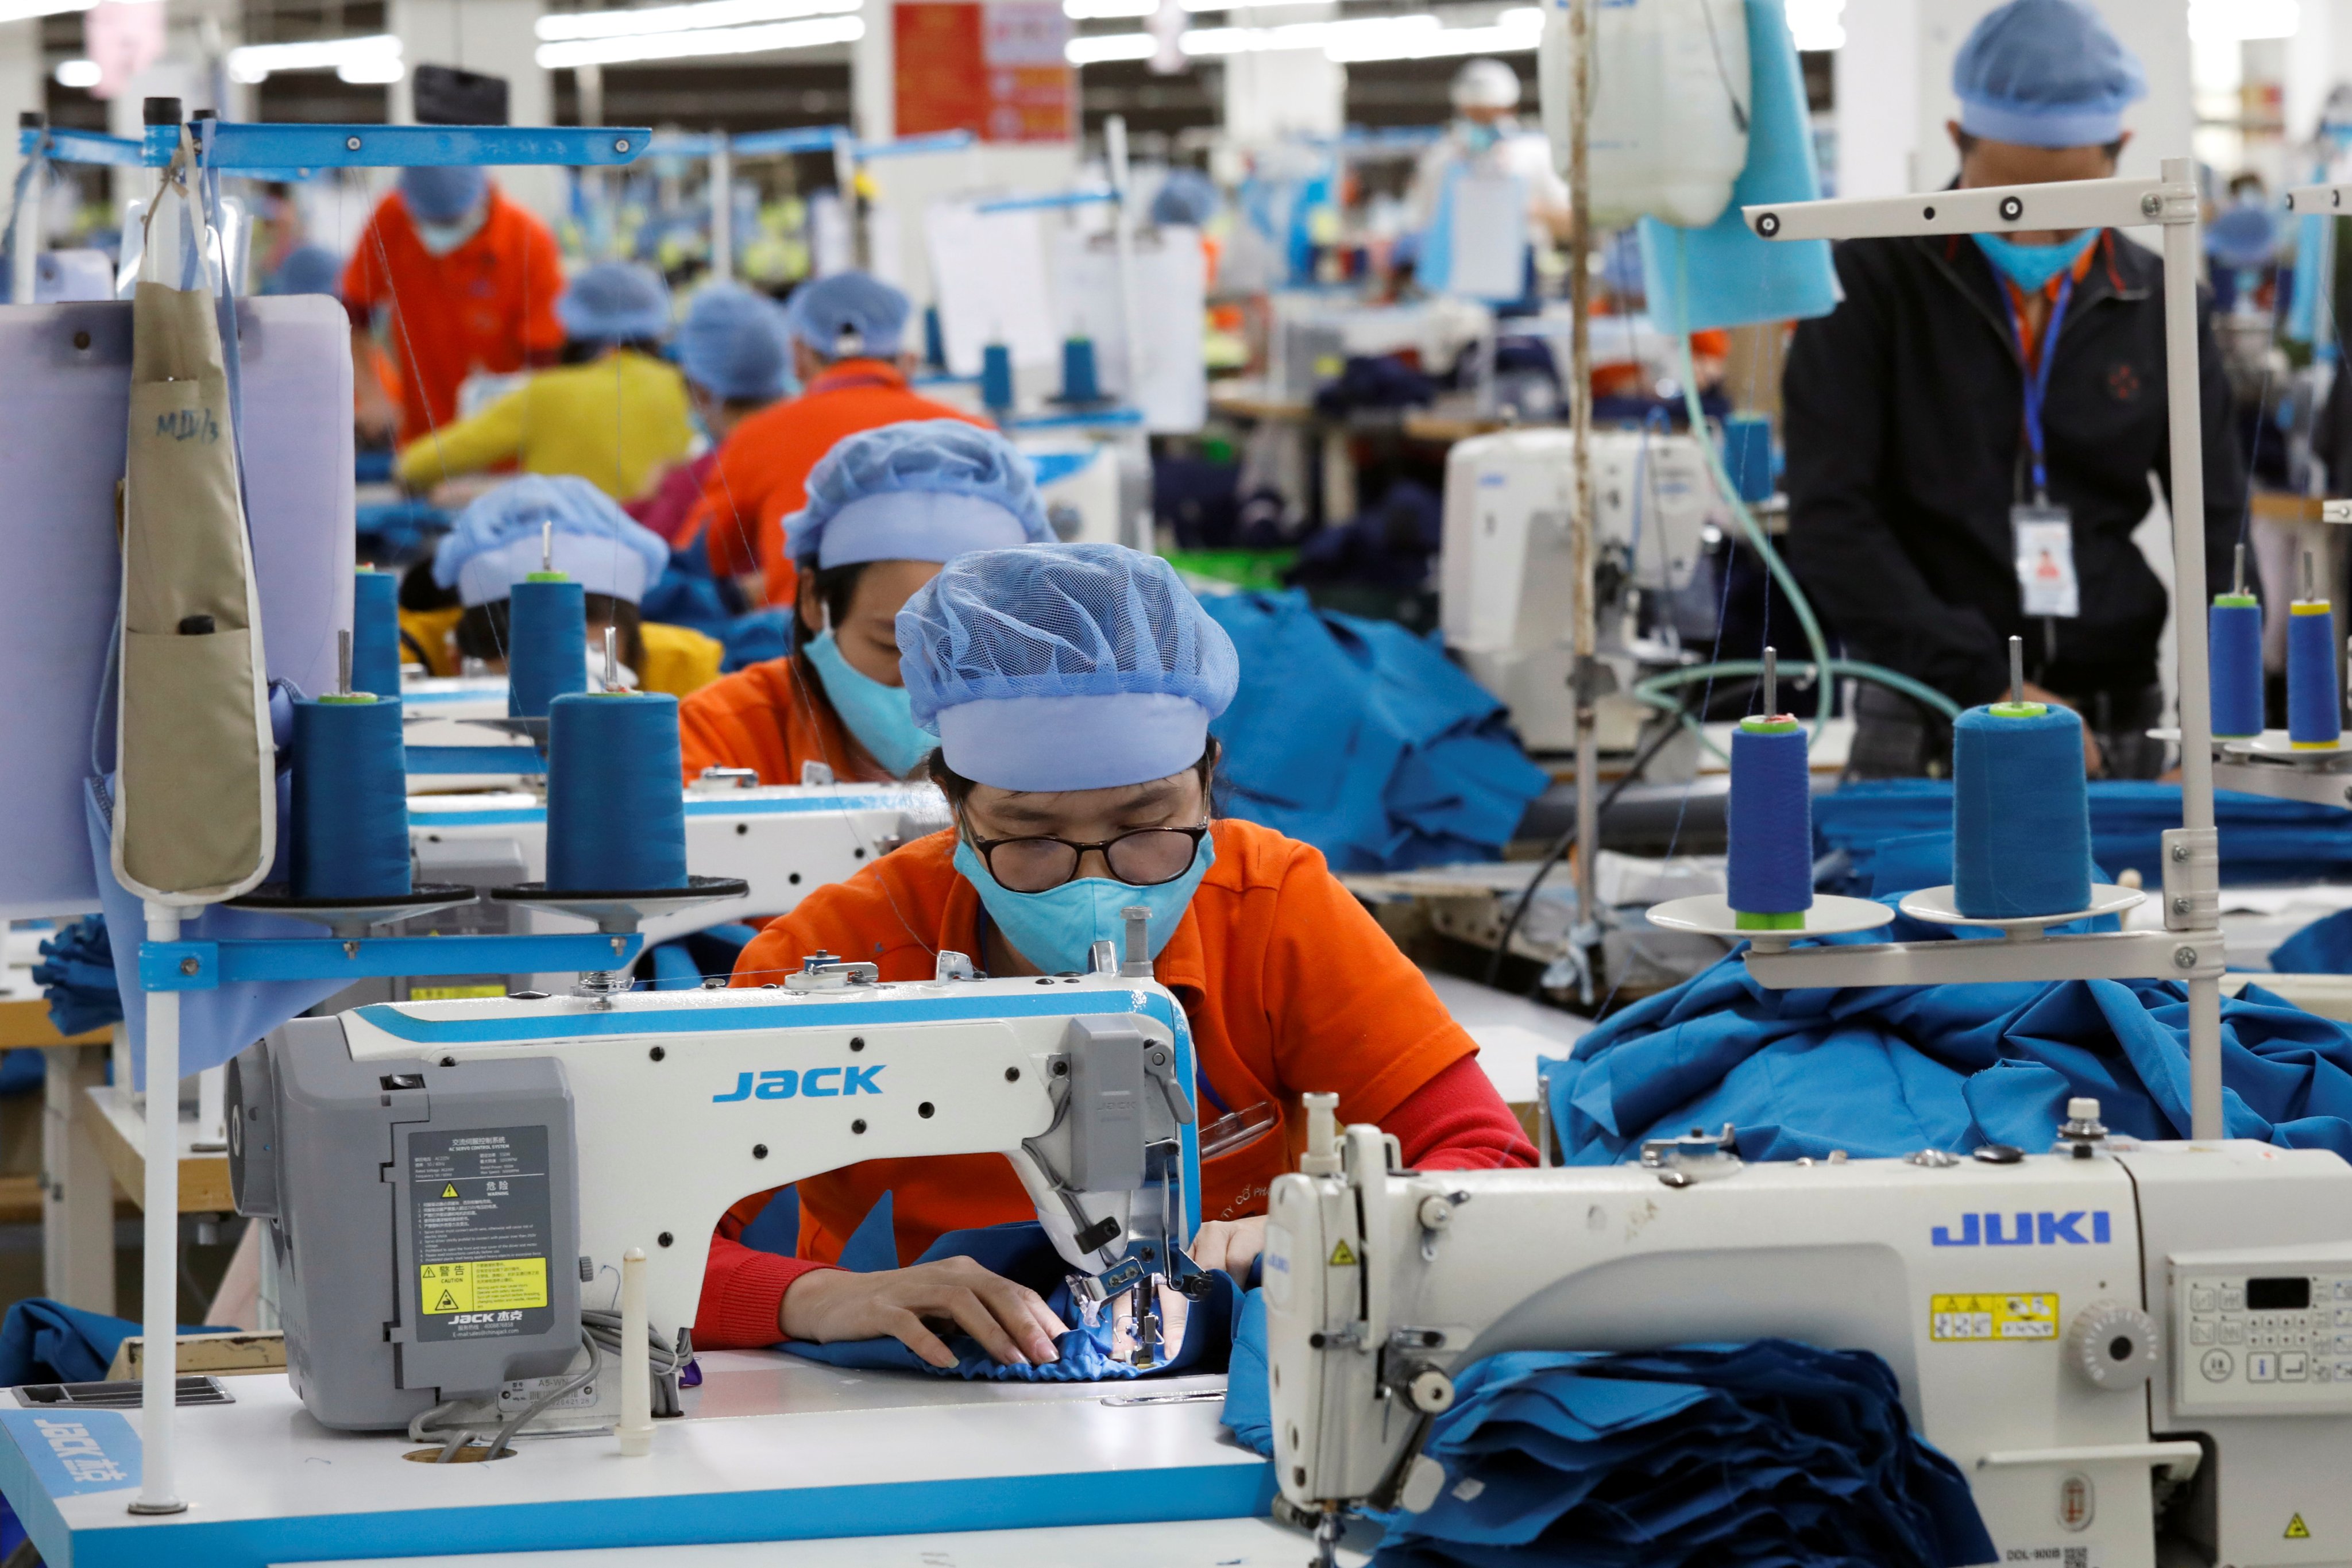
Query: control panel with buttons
<point>2269,1343</point>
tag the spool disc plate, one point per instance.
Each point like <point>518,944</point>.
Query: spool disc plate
<point>531,730</point>
<point>424,898</point>
<point>1711,914</point>
<point>2274,743</point>
<point>1941,905</point>
<point>621,910</point>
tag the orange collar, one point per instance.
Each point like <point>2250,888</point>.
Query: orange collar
<point>2029,333</point>
<point>851,373</point>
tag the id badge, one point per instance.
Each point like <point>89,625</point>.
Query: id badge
<point>2046,583</point>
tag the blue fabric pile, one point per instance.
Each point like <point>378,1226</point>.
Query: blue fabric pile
<point>43,1341</point>
<point>77,975</point>
<point>1887,1070</point>
<point>1021,1254</point>
<point>1359,738</point>
<point>2263,840</point>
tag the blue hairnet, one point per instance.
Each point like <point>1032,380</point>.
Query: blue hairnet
<point>731,344</point>
<point>307,269</point>
<point>1187,197</point>
<point>1062,667</point>
<point>442,193</point>
<point>923,489</point>
<point>849,315</point>
<point>614,301</point>
<point>495,541</point>
<point>2046,73</point>
<point>2245,234</point>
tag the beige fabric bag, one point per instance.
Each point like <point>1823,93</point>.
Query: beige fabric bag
<point>196,800</point>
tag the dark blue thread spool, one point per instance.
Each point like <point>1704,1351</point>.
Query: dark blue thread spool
<point>1079,383</point>
<point>2315,702</point>
<point>1771,824</point>
<point>350,800</point>
<point>547,643</point>
<point>375,633</point>
<point>996,377</point>
<point>616,809</point>
<point>2235,636</point>
<point>2021,812</point>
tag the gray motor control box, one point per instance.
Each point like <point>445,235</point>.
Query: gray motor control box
<point>424,1220</point>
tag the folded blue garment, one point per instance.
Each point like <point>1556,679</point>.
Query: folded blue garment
<point>1021,1252</point>
<point>43,1341</point>
<point>2323,947</point>
<point>77,977</point>
<point>1887,1070</point>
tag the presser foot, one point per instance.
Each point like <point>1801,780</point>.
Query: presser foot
<point>1327,1540</point>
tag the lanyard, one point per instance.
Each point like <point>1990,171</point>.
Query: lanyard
<point>2037,378</point>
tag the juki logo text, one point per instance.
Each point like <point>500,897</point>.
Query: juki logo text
<point>2074,1227</point>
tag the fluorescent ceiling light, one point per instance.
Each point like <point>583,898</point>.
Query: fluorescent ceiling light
<point>1514,32</point>
<point>1095,10</point>
<point>1111,47</point>
<point>371,56</point>
<point>25,10</point>
<point>2238,21</point>
<point>1820,24</point>
<point>805,34</point>
<point>569,25</point>
<point>1197,6</point>
<point>79,73</point>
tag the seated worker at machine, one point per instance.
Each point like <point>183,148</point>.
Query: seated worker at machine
<point>1072,686</point>
<point>615,414</point>
<point>496,543</point>
<point>884,507</point>
<point>735,359</point>
<point>1971,431</point>
<point>845,331</point>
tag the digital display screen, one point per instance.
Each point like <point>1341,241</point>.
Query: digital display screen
<point>2278,1295</point>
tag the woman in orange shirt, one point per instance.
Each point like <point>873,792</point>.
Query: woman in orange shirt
<point>884,507</point>
<point>1071,687</point>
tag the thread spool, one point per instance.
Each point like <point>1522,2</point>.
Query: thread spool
<point>547,643</point>
<point>2235,638</point>
<point>996,377</point>
<point>350,800</point>
<point>1748,455</point>
<point>2021,812</point>
<point>375,633</point>
<point>1079,384</point>
<point>2314,700</point>
<point>1771,824</point>
<point>615,814</point>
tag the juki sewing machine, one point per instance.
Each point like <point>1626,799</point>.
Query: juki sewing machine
<point>2138,1354</point>
<point>447,1185</point>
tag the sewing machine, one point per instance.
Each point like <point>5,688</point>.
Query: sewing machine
<point>447,1185</point>
<point>1506,575</point>
<point>2143,1352</point>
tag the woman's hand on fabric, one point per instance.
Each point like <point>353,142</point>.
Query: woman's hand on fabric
<point>1011,1321</point>
<point>1232,1245</point>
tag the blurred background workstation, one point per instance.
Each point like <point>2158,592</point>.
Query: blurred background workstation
<point>1474,457</point>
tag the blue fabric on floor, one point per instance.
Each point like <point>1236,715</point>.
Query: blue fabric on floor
<point>1021,1253</point>
<point>77,975</point>
<point>1771,1452</point>
<point>1361,739</point>
<point>1886,1070</point>
<point>2263,840</point>
<point>43,1341</point>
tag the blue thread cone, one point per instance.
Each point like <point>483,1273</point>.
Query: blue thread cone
<point>2314,702</point>
<point>547,645</point>
<point>1770,820</point>
<point>616,811</point>
<point>996,376</point>
<point>350,800</point>
<point>1079,384</point>
<point>2235,635</point>
<point>2021,813</point>
<point>375,633</point>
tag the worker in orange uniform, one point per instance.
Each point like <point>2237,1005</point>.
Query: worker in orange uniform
<point>846,330</point>
<point>884,507</point>
<point>466,280</point>
<point>1071,687</point>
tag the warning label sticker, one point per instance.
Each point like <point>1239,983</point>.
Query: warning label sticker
<point>479,1208</point>
<point>2022,1319</point>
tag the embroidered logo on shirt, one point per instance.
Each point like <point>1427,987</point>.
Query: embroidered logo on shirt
<point>2123,382</point>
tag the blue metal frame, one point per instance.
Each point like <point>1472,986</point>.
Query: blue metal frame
<point>60,145</point>
<point>205,965</point>
<point>233,146</point>
<point>1059,199</point>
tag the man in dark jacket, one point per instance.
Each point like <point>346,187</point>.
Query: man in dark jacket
<point>1926,520</point>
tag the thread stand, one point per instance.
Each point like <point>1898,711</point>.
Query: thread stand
<point>618,913</point>
<point>348,919</point>
<point>1941,907</point>
<point>1711,914</point>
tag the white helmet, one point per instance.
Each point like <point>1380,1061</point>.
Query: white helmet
<point>1486,84</point>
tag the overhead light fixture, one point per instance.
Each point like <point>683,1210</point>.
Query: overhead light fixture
<point>1516,31</point>
<point>1111,47</point>
<point>2242,21</point>
<point>1820,25</point>
<point>565,26</point>
<point>79,73</point>
<point>804,35</point>
<point>25,10</point>
<point>1198,6</point>
<point>375,57</point>
<point>1099,10</point>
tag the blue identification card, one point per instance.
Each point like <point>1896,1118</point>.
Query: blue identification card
<point>2045,539</point>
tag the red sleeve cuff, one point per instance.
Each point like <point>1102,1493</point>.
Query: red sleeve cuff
<point>1456,1121</point>
<point>744,1296</point>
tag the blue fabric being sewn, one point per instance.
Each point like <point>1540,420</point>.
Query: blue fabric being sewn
<point>1021,1253</point>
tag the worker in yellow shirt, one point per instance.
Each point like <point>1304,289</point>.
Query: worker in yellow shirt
<point>615,413</point>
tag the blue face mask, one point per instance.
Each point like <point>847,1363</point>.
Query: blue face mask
<point>2031,267</point>
<point>878,715</point>
<point>1479,135</point>
<point>1057,929</point>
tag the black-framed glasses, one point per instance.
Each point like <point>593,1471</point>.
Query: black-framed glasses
<point>1145,858</point>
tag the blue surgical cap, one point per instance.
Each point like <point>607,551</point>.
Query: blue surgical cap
<point>731,344</point>
<point>849,315</point>
<point>614,301</point>
<point>495,543</point>
<point>2046,73</point>
<point>924,489</point>
<point>2243,235</point>
<point>1065,667</point>
<point>307,269</point>
<point>442,193</point>
<point>1187,197</point>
